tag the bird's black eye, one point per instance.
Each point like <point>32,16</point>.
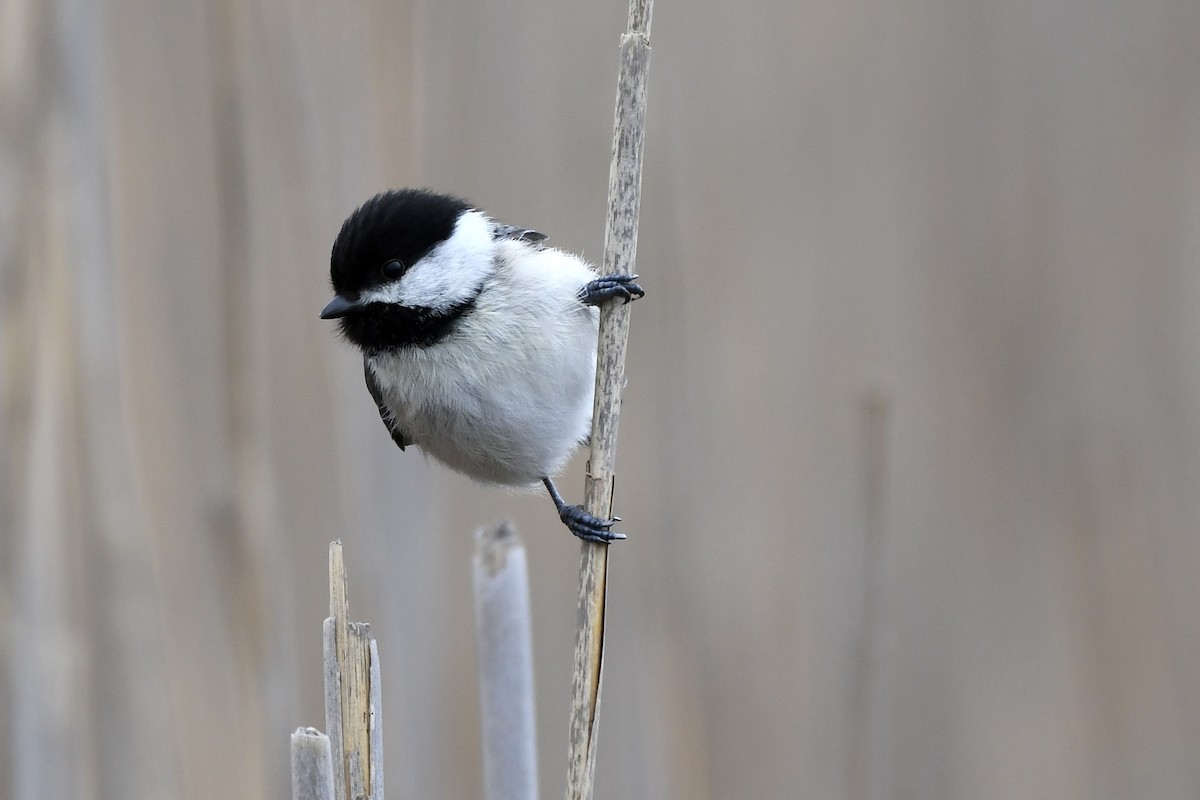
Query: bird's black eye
<point>392,269</point>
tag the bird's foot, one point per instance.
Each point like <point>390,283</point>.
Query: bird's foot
<point>596,292</point>
<point>580,522</point>
<point>587,527</point>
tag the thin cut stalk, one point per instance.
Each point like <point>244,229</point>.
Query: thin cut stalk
<point>333,706</point>
<point>376,724</point>
<point>504,663</point>
<point>865,750</point>
<point>312,766</point>
<point>620,247</point>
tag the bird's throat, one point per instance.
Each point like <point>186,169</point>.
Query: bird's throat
<point>379,327</point>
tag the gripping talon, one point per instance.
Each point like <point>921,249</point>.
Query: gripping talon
<point>585,526</point>
<point>580,522</point>
<point>609,286</point>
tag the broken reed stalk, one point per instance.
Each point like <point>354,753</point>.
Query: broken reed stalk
<point>352,694</point>
<point>620,248</point>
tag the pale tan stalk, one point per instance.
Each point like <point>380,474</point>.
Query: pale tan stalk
<point>620,247</point>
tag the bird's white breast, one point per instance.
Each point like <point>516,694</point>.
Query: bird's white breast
<point>507,396</point>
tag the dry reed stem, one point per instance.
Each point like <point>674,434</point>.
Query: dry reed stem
<point>620,248</point>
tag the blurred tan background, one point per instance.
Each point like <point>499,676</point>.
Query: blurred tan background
<point>910,458</point>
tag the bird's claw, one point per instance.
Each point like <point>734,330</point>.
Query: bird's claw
<point>587,527</point>
<point>605,288</point>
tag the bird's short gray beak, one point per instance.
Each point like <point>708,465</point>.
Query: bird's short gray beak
<point>339,306</point>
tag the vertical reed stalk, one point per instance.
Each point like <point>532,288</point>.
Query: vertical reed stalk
<point>620,248</point>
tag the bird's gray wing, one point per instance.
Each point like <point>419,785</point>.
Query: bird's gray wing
<point>398,436</point>
<point>518,233</point>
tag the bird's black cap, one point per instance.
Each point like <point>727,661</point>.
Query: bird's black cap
<point>397,226</point>
<point>401,225</point>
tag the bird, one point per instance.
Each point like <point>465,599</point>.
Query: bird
<point>478,339</point>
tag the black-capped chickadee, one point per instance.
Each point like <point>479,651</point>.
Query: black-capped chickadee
<point>478,342</point>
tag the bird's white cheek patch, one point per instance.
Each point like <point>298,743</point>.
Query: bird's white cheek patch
<point>428,284</point>
<point>388,293</point>
<point>452,272</point>
<point>425,285</point>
